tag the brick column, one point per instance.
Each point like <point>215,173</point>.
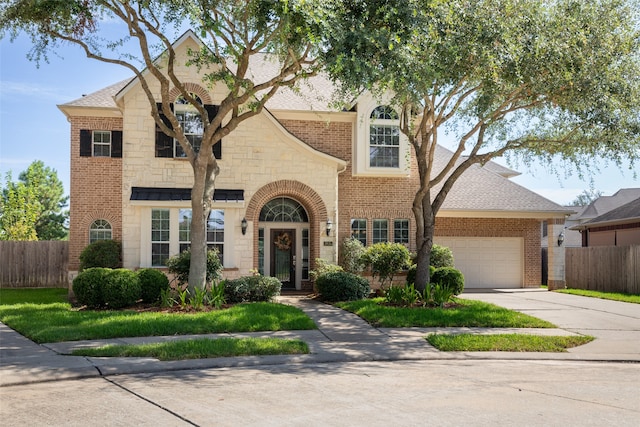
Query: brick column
<point>556,279</point>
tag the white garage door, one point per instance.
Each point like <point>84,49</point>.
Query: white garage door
<point>494,262</point>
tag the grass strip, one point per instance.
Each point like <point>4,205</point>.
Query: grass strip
<point>465,313</point>
<point>201,348</point>
<point>33,296</point>
<point>614,296</point>
<point>506,342</point>
<point>58,321</point>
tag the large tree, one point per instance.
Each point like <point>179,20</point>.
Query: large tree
<point>32,207</point>
<point>233,31</point>
<point>557,80</point>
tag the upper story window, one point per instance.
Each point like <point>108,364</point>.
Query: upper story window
<point>381,149</point>
<point>100,143</point>
<point>384,138</point>
<point>192,124</point>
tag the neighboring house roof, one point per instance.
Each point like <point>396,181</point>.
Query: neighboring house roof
<point>604,204</point>
<point>625,214</point>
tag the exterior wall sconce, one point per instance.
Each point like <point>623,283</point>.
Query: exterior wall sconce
<point>243,224</point>
<point>329,226</point>
<point>560,238</point>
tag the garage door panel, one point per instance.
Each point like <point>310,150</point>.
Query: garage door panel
<point>487,262</point>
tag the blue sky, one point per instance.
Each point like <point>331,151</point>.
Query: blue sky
<point>33,128</point>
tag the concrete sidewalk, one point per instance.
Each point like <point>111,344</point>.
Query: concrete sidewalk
<point>344,337</point>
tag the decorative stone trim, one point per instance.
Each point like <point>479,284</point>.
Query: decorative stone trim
<point>192,87</point>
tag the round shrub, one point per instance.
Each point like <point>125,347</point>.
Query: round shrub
<point>251,289</point>
<point>450,278</point>
<point>386,260</point>
<point>87,286</point>
<point>121,288</point>
<point>152,282</point>
<point>179,265</point>
<point>441,256</point>
<point>103,253</point>
<point>342,286</point>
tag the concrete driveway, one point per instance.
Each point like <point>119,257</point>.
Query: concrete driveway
<point>616,325</point>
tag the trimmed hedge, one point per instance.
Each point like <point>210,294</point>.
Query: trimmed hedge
<point>450,278</point>
<point>121,288</point>
<point>251,289</point>
<point>152,283</point>
<point>342,286</point>
<point>87,286</point>
<point>411,274</point>
<point>103,253</point>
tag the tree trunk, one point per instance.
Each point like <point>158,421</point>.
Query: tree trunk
<point>200,208</point>
<point>425,227</point>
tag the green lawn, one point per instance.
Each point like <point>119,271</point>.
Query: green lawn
<point>45,317</point>
<point>506,342</point>
<point>635,299</point>
<point>201,348</point>
<point>466,313</point>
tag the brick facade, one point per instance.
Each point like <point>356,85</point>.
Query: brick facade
<point>96,188</point>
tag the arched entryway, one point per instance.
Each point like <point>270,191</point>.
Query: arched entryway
<point>283,241</point>
<point>304,202</point>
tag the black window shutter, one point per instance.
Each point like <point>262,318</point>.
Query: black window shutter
<point>212,110</point>
<point>164,143</point>
<point>85,143</point>
<point>116,143</point>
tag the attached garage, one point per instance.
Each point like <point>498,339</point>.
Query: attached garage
<point>487,262</point>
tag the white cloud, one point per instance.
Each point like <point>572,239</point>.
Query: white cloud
<point>12,89</point>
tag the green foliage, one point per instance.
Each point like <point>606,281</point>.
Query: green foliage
<point>406,296</point>
<point>439,295</point>
<point>342,286</point>
<point>120,288</point>
<point>386,259</point>
<point>323,267</point>
<point>411,273</point>
<point>19,209</point>
<point>351,252</point>
<point>449,278</point>
<point>198,298</point>
<point>152,283</point>
<point>167,297</point>
<point>87,286</point>
<point>441,256</point>
<point>216,297</point>
<point>102,253</point>
<point>251,289</point>
<point>180,264</point>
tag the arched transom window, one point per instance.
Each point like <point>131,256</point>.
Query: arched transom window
<point>283,209</point>
<point>100,230</point>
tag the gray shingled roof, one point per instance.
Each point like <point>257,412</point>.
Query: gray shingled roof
<point>481,189</point>
<point>604,204</point>
<point>629,212</point>
<point>100,99</point>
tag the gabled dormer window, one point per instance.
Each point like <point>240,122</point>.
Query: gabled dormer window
<point>380,149</point>
<point>384,138</point>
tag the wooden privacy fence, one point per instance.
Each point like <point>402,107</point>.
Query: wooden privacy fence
<point>604,268</point>
<point>34,264</point>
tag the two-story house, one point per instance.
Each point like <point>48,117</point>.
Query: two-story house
<point>295,181</point>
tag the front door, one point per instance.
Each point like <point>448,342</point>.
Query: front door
<point>283,256</point>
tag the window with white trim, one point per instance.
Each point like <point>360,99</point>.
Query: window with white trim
<point>100,229</point>
<point>160,237</point>
<point>215,230</point>
<point>384,138</point>
<point>401,231</point>
<point>380,231</point>
<point>359,230</point>
<point>101,143</point>
<point>191,122</point>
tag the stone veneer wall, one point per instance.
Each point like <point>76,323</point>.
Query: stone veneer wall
<point>96,188</point>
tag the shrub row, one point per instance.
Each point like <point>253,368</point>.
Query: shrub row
<point>342,286</point>
<point>251,288</point>
<point>100,287</point>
